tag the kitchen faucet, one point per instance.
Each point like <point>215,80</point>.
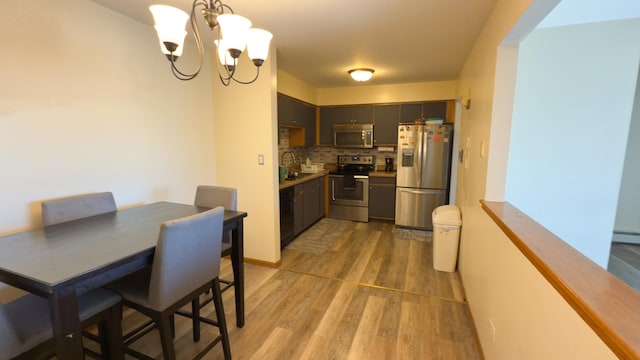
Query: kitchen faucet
<point>293,157</point>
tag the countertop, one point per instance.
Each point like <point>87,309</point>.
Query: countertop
<point>302,179</point>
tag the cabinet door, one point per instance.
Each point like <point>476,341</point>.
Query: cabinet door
<point>326,124</point>
<point>382,198</point>
<point>410,112</point>
<point>309,123</point>
<point>321,196</point>
<point>298,209</point>
<point>385,131</point>
<point>311,202</point>
<point>435,109</point>
<point>354,114</point>
<point>286,110</point>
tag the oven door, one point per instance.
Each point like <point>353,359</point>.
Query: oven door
<point>347,192</point>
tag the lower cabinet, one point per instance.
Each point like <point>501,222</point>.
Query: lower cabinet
<point>307,207</point>
<point>382,197</point>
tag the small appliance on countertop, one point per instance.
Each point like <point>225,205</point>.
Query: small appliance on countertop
<point>388,164</point>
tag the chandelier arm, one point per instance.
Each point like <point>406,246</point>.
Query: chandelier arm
<point>196,34</point>
<point>248,82</point>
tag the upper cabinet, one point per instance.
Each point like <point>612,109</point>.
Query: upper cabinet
<point>300,118</point>
<point>385,129</point>
<point>350,114</point>
<point>413,111</point>
<point>384,117</point>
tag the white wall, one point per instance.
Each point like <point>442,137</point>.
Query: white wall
<point>89,104</point>
<point>574,97</point>
<point>531,320</point>
<point>246,126</point>
<point>628,213</point>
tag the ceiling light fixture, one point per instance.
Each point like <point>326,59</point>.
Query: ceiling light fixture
<point>234,34</point>
<point>361,74</point>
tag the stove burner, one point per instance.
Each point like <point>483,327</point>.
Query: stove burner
<point>355,165</point>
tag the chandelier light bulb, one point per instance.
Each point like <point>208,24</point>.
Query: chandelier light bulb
<point>170,25</point>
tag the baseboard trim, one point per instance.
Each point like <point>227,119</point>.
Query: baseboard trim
<point>626,237</point>
<point>274,265</point>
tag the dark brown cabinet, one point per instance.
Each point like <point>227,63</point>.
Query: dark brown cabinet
<point>300,118</point>
<point>384,117</point>
<point>307,201</point>
<point>351,114</point>
<point>382,197</point>
<point>385,128</point>
<point>411,112</point>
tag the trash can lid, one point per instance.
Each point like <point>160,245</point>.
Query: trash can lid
<point>446,215</point>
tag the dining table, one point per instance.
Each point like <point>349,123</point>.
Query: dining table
<point>62,261</point>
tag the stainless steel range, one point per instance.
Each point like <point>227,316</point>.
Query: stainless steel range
<point>349,187</point>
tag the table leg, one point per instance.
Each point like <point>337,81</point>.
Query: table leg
<point>237,252</point>
<point>65,321</point>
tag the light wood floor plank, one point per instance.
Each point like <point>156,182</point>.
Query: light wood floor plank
<point>369,295</point>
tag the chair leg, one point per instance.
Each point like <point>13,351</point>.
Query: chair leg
<point>222,322</point>
<point>195,319</point>
<point>111,333</point>
<point>166,336</point>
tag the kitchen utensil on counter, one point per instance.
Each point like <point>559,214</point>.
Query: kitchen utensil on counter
<point>284,172</point>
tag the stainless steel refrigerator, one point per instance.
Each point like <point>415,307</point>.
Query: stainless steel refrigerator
<point>424,164</point>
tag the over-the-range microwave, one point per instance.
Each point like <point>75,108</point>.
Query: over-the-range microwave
<point>353,135</point>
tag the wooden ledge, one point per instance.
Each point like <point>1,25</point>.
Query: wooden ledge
<point>609,306</point>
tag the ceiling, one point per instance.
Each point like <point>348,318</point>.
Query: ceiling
<point>319,41</point>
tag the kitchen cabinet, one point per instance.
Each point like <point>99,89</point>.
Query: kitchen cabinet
<point>410,112</point>
<point>385,131</point>
<point>351,114</point>
<point>299,118</point>
<point>298,209</point>
<point>313,194</point>
<point>301,206</point>
<point>382,197</point>
<point>287,231</point>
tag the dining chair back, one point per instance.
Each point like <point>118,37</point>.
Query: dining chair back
<point>182,269</point>
<point>25,325</point>
<point>182,261</point>
<point>77,207</point>
<point>211,196</point>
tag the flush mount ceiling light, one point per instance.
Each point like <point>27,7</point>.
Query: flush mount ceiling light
<point>234,35</point>
<point>361,74</point>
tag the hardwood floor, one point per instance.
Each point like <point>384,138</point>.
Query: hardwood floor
<point>368,294</point>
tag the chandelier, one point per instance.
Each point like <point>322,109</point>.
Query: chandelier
<point>234,35</point>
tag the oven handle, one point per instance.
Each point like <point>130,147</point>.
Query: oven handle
<point>333,190</point>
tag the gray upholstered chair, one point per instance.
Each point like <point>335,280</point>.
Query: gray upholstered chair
<point>25,326</point>
<point>182,270</point>
<point>211,196</point>
<point>77,207</point>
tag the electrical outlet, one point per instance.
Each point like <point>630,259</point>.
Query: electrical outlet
<point>260,159</point>
<point>492,330</point>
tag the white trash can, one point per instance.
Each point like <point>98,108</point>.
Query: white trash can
<point>446,236</point>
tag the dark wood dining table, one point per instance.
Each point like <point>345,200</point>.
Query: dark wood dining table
<point>62,261</point>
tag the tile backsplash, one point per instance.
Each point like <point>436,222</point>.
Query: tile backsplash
<point>325,154</point>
